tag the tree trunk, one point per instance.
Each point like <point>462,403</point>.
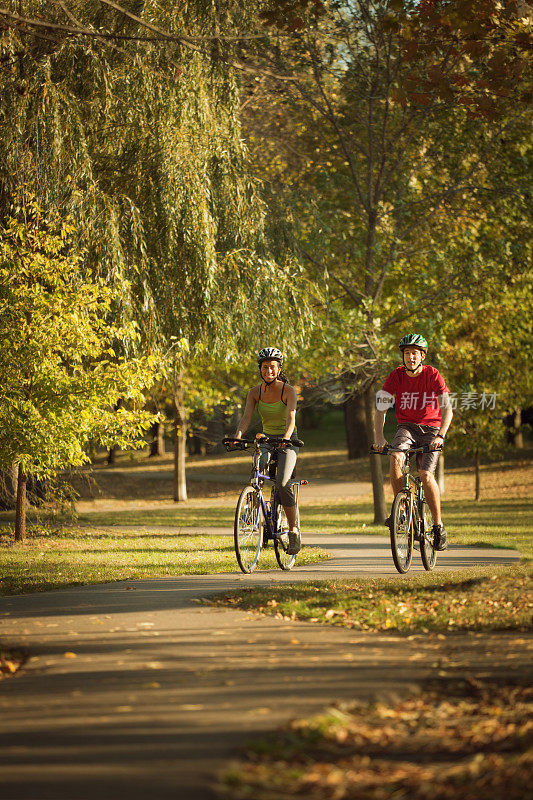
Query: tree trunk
<point>375,461</point>
<point>20,514</point>
<point>157,445</point>
<point>355,425</point>
<point>516,430</point>
<point>215,431</point>
<point>478,476</point>
<point>180,447</point>
<point>111,456</point>
<point>440,473</point>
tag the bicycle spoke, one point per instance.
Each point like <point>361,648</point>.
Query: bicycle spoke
<point>402,531</point>
<point>248,529</point>
<point>427,549</point>
<point>281,540</point>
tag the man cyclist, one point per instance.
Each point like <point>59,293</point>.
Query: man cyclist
<point>424,414</point>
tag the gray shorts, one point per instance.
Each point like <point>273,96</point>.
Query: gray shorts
<point>411,435</point>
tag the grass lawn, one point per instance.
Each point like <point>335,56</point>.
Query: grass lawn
<point>505,522</point>
<point>100,547</point>
<point>479,599</point>
<point>70,556</point>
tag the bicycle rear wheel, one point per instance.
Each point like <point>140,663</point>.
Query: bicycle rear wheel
<point>427,548</point>
<point>248,529</point>
<point>401,534</point>
<point>281,536</point>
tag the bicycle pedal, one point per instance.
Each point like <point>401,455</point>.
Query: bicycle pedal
<point>303,482</point>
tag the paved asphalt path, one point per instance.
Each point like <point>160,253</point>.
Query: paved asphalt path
<point>137,690</point>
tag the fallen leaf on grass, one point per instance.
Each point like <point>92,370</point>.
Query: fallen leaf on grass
<point>9,666</point>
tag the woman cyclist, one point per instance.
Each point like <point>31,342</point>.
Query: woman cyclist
<point>275,400</point>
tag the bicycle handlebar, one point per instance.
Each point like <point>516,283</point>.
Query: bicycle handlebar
<point>242,444</point>
<point>425,448</point>
<point>264,439</point>
<point>236,444</point>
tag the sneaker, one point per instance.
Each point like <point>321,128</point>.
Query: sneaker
<point>440,538</point>
<point>388,522</point>
<point>294,543</point>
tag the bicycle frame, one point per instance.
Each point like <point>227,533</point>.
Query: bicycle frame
<point>268,507</point>
<point>413,485</point>
<point>418,522</point>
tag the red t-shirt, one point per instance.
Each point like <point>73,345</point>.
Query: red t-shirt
<point>417,398</point>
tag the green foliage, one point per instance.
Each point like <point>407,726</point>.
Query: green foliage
<point>487,347</point>
<point>141,142</point>
<point>396,187</point>
<point>64,364</point>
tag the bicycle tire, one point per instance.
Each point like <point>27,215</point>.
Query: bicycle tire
<point>284,559</point>
<point>427,548</point>
<point>401,532</point>
<point>248,529</point>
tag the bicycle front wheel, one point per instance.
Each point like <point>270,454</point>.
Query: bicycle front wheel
<point>281,538</point>
<point>248,529</point>
<point>427,548</point>
<point>401,535</point>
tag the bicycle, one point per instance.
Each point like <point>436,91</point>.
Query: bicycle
<point>410,516</point>
<point>250,534</point>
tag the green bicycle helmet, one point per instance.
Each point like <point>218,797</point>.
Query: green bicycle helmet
<point>413,340</point>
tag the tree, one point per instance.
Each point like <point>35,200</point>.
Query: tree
<point>383,179</point>
<point>131,124</point>
<point>488,363</point>
<point>64,365</point>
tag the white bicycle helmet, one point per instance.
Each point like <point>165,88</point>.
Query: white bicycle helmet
<point>270,354</point>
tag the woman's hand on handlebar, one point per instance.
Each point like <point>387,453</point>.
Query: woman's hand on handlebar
<point>235,443</point>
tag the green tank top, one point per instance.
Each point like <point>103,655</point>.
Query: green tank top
<point>273,416</point>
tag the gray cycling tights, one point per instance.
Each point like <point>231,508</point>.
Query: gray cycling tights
<point>286,462</point>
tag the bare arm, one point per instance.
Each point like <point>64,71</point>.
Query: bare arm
<point>447,413</point>
<point>244,424</point>
<point>291,412</point>
<point>379,422</point>
<point>384,401</point>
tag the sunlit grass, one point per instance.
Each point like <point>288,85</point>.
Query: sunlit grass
<point>480,598</point>
<point>73,556</point>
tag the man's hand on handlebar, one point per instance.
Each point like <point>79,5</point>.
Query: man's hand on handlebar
<point>378,447</point>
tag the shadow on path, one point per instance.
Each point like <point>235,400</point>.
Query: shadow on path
<point>136,690</point>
